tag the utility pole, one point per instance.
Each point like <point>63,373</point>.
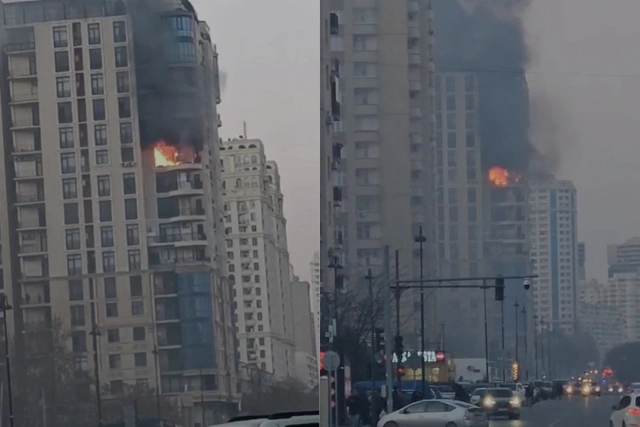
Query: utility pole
<point>504,368</point>
<point>535,346</point>
<point>516,306</point>
<point>369,278</point>
<point>486,331</point>
<point>388,328</point>
<point>398,291</point>
<point>526,351</point>
<point>420,239</point>
<point>442,337</point>
<point>95,333</point>
<point>542,353</point>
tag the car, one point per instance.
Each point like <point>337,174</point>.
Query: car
<point>281,419</point>
<point>477,395</point>
<point>443,412</point>
<point>517,388</point>
<point>590,388</point>
<point>626,412</point>
<point>446,391</point>
<point>501,402</point>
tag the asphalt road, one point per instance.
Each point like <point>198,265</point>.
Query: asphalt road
<point>574,411</point>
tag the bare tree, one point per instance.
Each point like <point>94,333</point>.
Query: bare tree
<point>262,396</point>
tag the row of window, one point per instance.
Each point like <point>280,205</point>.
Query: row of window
<point>79,338</point>
<point>63,84</point>
<point>66,135</point>
<point>61,34</point>
<point>65,110</point>
<point>73,237</point>
<point>62,59</point>
<point>134,258</point>
<point>69,165</point>
<point>105,211</point>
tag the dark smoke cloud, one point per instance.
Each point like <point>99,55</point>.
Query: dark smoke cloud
<point>487,38</point>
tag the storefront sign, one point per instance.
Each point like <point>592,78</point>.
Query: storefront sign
<point>428,356</point>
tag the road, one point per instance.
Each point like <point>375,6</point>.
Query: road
<point>570,412</point>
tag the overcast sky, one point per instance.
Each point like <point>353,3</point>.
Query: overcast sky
<point>270,51</point>
<point>586,63</point>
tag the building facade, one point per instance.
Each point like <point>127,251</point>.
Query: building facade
<point>258,258</point>
<point>622,293</point>
<point>582,261</point>
<point>625,257</point>
<point>554,251</point>
<point>129,188</point>
<point>386,180</point>
<point>314,295</point>
<point>306,350</point>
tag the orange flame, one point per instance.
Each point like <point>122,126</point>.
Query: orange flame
<point>165,154</point>
<point>499,176</point>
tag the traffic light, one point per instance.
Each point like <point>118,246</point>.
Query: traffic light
<point>379,338</point>
<point>399,346</point>
<point>499,289</point>
<point>400,370</point>
<point>333,391</point>
<point>515,371</point>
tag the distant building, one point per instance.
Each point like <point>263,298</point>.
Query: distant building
<point>622,293</point>
<point>258,258</point>
<point>314,295</point>
<point>306,350</point>
<point>625,257</point>
<point>554,251</point>
<point>582,259</point>
<point>597,316</point>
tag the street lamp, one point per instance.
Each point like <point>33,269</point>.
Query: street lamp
<point>95,333</point>
<point>420,239</point>
<point>486,332</point>
<point>7,356</point>
<point>516,306</point>
<point>369,278</point>
<point>526,351</point>
<point>504,369</point>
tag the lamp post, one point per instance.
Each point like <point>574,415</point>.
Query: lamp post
<point>7,356</point>
<point>526,351</point>
<point>442,341</point>
<point>420,239</point>
<point>369,278</point>
<point>535,346</point>
<point>486,332</point>
<point>95,333</point>
<point>516,306</point>
<point>504,369</point>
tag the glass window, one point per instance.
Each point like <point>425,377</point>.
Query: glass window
<point>104,186</point>
<point>94,33</point>
<point>74,264</point>
<point>130,209</point>
<point>124,107</point>
<point>112,309</point>
<point>76,293</point>
<point>97,84</point>
<point>129,183</point>
<point>181,52</point>
<point>61,61</point>
<point>135,262</point>
<point>108,261</point>
<point>71,214</point>
<point>60,37</point>
<point>140,358</point>
<point>106,214</point>
<point>100,134</point>
<point>119,32</point>
<point>65,112</point>
<point>122,82</point>
<point>68,162</point>
<point>110,288</point>
<point>72,239</point>
<point>106,237</point>
<point>99,109</point>
<point>69,188</point>
<point>102,157</point>
<point>63,87</point>
<point>139,333</point>
<point>133,235</point>
<point>66,137</point>
<point>126,133</point>
<point>122,56</point>
<point>95,59</point>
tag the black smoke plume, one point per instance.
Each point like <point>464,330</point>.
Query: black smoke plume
<point>487,38</point>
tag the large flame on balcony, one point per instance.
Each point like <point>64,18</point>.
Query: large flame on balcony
<point>499,176</point>
<point>166,155</point>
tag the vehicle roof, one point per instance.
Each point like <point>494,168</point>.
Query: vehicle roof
<point>251,422</point>
<point>499,388</point>
<point>277,419</point>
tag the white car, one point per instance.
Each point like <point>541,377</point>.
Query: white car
<point>626,412</point>
<point>283,419</point>
<point>440,412</point>
<point>517,389</point>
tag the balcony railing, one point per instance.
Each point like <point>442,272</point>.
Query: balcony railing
<point>22,72</point>
<point>25,122</point>
<point>182,237</point>
<point>29,174</point>
<point>33,248</point>
<point>20,47</point>
<point>31,223</point>
<point>30,198</point>
<point>18,97</point>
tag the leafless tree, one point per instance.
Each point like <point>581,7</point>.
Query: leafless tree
<point>262,396</point>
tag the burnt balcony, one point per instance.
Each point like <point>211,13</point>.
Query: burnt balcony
<point>335,110</point>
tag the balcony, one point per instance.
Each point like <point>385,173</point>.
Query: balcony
<point>24,123</point>
<point>164,239</point>
<point>181,189</point>
<point>23,98</point>
<point>33,248</point>
<point>22,73</point>
<point>19,48</point>
<point>337,195</point>
<point>185,214</point>
<point>30,198</point>
<point>31,224</point>
<point>29,174</point>
<point>179,261</point>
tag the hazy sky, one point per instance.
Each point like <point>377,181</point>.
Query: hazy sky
<point>585,61</point>
<point>270,51</point>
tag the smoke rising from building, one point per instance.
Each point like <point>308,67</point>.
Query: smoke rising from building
<point>487,38</point>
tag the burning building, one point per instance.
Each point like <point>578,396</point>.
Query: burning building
<point>126,177</point>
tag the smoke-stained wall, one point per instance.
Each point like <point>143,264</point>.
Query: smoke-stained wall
<point>486,37</point>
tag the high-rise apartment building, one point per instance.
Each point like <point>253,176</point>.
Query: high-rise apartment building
<point>306,350</point>
<point>112,186</point>
<point>554,251</point>
<point>625,257</point>
<point>582,261</point>
<point>314,294</point>
<point>383,53</point>
<point>600,315</point>
<point>622,293</point>
<point>258,257</point>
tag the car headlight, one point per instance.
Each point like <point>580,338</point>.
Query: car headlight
<point>620,390</point>
<point>597,389</point>
<point>514,402</point>
<point>569,389</point>
<point>488,401</point>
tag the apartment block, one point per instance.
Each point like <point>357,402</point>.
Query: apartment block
<point>624,257</point>
<point>314,295</point>
<point>382,51</point>
<point>258,258</point>
<point>113,194</point>
<point>306,350</point>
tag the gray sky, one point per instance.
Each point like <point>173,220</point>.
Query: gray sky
<point>270,51</point>
<point>585,63</point>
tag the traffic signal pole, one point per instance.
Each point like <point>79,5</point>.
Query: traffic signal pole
<point>398,339</point>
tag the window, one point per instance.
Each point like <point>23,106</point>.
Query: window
<point>126,153</point>
<point>129,183</point>
<point>77,315</point>
<point>76,292</point>
<point>95,59</point>
<point>140,359</point>
<point>65,112</point>
<point>135,286</point>
<point>137,308</point>
<point>139,333</point>
<point>133,235</point>
<point>119,32</point>
<point>122,81</point>
<point>63,87</point>
<point>106,214</point>
<point>97,84</point>
<point>71,214</point>
<point>74,264</point>
<point>124,107</point>
<point>60,37</point>
<point>102,157</point>
<point>94,34</point>
<point>108,261</point>
<point>106,237</point>
<point>61,60</point>
<point>115,361</point>
<point>69,188</point>
<point>104,186</point>
<point>66,137</point>
<point>113,335</point>
<point>122,57</point>
<point>100,134</point>
<point>72,239</point>
<point>110,288</point>
<point>79,84</point>
<point>134,259</point>
<point>68,162</point>
<point>126,133</point>
<point>99,110</point>
<point>130,209</point>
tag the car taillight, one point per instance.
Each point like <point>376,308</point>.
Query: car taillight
<point>634,411</point>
